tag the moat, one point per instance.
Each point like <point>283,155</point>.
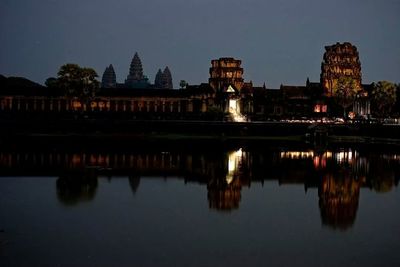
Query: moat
<point>199,204</point>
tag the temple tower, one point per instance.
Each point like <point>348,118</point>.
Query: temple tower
<point>135,78</point>
<point>166,79</point>
<point>109,79</point>
<point>158,79</point>
<point>163,79</point>
<point>340,59</point>
<point>225,72</point>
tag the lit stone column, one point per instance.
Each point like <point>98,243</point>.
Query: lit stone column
<point>368,107</point>
<point>190,106</point>
<point>171,106</point>
<point>203,106</point>
<point>18,104</point>
<point>155,106</point>
<point>179,106</point>
<point>163,106</point>
<point>147,106</point>
<point>34,104</point>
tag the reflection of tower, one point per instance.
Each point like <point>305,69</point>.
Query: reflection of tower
<point>134,182</point>
<point>72,189</point>
<point>225,193</point>
<point>223,196</point>
<point>338,200</point>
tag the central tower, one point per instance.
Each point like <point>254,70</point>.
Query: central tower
<point>135,78</point>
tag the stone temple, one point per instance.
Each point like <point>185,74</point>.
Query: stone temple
<point>225,72</point>
<point>163,79</point>
<point>109,79</point>
<point>226,93</point>
<point>135,78</point>
<point>340,59</point>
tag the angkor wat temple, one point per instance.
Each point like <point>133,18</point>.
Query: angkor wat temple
<point>136,79</point>
<point>225,93</point>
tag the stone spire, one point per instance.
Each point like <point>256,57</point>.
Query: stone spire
<point>158,79</point>
<point>167,79</point>
<point>136,69</point>
<point>135,78</point>
<point>109,79</point>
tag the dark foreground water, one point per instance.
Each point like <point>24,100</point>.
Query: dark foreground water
<point>209,206</point>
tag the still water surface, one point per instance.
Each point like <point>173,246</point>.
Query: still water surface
<point>237,206</point>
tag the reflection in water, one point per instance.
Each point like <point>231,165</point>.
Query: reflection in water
<point>338,200</point>
<point>338,174</point>
<point>73,188</point>
<point>225,194</point>
<point>134,182</point>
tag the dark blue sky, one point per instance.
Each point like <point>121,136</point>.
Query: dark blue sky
<point>278,41</point>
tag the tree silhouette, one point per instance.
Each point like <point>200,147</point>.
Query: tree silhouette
<point>183,84</point>
<point>77,81</point>
<point>383,97</point>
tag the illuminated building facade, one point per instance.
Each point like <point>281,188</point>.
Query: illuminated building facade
<point>226,78</point>
<point>340,60</point>
<point>226,72</point>
<point>226,91</point>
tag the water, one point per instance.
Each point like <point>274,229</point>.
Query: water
<point>210,206</point>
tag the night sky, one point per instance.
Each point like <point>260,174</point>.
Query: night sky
<point>279,42</point>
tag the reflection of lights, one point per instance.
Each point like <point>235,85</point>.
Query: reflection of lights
<point>234,159</point>
<point>297,154</point>
<point>395,157</point>
<point>76,104</point>
<point>319,160</point>
<point>346,156</point>
<point>229,179</point>
<point>340,156</point>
